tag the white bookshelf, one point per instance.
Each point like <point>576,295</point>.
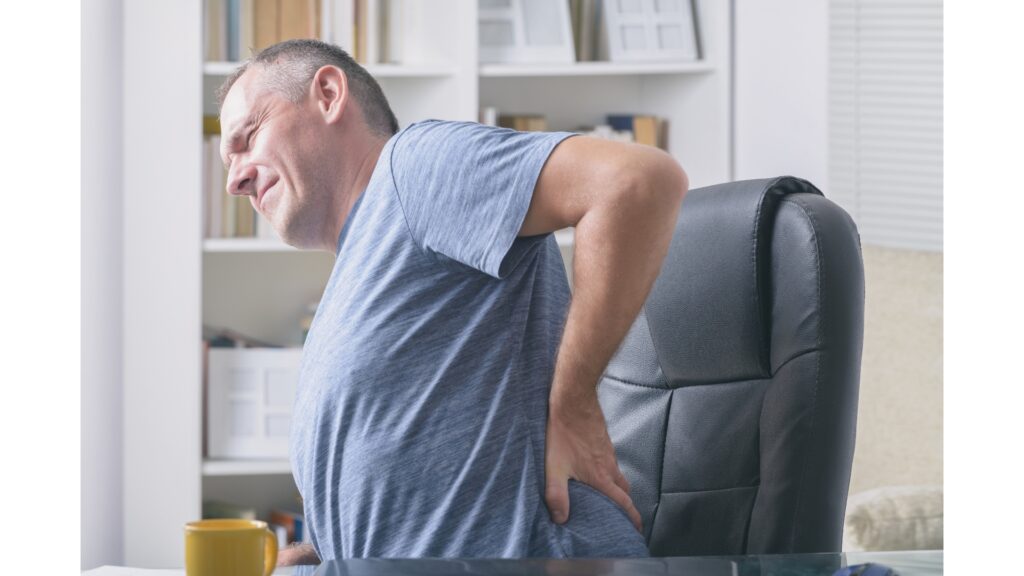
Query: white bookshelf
<point>176,281</point>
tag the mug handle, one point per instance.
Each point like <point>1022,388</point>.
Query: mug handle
<point>270,554</point>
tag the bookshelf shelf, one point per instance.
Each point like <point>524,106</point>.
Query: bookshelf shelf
<point>245,245</point>
<point>594,69</point>
<point>227,245</point>
<point>216,69</point>
<point>245,467</point>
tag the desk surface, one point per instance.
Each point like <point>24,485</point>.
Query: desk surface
<point>906,563</point>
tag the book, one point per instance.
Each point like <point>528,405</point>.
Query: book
<point>226,338</point>
<point>343,25</point>
<point>327,20</point>
<point>489,116</point>
<point>280,532</point>
<point>292,522</point>
<point>245,217</point>
<point>587,26</point>
<point>371,32</point>
<point>227,214</point>
<point>649,130</point>
<point>359,31</point>
<point>216,30</point>
<point>600,48</point>
<point>298,19</point>
<point>211,126</point>
<point>247,29</point>
<point>214,183</point>
<point>264,229</point>
<point>606,132</point>
<point>265,21</point>
<point>205,351</point>
<point>391,31</point>
<point>233,28</point>
<point>523,122</point>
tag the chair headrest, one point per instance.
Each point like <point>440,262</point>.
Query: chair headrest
<point>709,311</point>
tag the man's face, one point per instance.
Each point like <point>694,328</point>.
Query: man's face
<point>269,146</point>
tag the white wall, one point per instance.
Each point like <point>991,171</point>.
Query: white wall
<point>781,83</point>
<point>899,426</point>
<point>101,486</point>
<point>162,262</point>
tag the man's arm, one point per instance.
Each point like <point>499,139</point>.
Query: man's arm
<point>297,554</point>
<point>623,200</point>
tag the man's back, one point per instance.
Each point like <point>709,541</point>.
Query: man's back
<point>420,418</point>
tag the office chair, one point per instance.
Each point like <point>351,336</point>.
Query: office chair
<point>732,401</point>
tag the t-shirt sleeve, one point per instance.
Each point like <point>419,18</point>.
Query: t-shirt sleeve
<point>465,189</point>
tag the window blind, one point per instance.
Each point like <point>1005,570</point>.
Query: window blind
<point>885,119</point>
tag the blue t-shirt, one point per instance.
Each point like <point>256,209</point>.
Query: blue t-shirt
<point>421,409</point>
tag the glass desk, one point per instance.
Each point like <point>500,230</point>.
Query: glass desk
<point>905,563</point>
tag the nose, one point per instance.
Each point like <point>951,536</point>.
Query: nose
<point>242,180</point>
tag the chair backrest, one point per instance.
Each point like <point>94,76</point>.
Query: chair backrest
<point>732,401</point>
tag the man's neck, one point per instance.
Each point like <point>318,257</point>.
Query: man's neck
<point>365,163</point>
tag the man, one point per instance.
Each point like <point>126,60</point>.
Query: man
<point>447,401</point>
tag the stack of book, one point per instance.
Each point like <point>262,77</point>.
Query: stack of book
<point>236,27</point>
<point>639,128</point>
<point>293,525</point>
<point>369,30</point>
<point>649,130</point>
<point>523,122</point>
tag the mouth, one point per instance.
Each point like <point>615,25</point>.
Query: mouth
<point>263,192</point>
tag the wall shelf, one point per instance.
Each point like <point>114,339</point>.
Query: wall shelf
<point>594,69</point>
<point>246,245</point>
<point>228,245</point>
<point>377,70</point>
<point>245,467</point>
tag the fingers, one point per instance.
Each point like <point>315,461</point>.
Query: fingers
<point>621,481</point>
<point>556,496</point>
<point>621,497</point>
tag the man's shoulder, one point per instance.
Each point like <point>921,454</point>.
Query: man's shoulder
<point>454,141</point>
<point>434,127</point>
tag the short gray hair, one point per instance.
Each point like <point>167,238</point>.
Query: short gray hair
<point>294,64</point>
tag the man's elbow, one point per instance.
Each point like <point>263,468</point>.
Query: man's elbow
<point>667,181</point>
<point>650,181</point>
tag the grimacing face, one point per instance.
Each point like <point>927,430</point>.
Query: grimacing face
<point>270,149</point>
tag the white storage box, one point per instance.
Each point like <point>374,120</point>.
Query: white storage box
<point>249,401</point>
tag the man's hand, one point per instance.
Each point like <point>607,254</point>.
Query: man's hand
<point>578,447</point>
<point>297,554</point>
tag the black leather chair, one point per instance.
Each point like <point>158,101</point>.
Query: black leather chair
<point>732,402</point>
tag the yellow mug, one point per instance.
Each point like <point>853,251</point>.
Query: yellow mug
<point>229,548</point>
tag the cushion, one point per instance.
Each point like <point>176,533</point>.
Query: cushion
<point>894,518</point>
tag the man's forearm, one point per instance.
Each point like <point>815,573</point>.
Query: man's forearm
<point>297,554</point>
<point>619,249</point>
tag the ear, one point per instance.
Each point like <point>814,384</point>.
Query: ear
<point>329,91</point>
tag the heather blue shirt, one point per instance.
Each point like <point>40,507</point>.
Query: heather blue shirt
<point>422,405</point>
